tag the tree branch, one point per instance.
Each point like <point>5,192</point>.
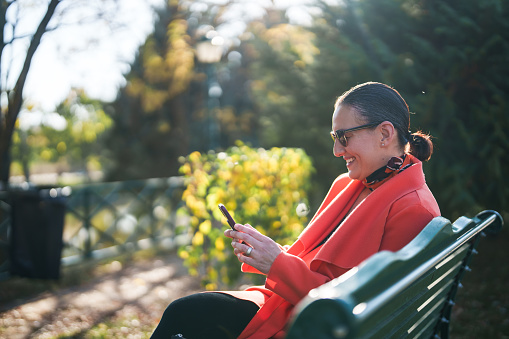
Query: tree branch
<point>16,95</point>
<point>34,44</point>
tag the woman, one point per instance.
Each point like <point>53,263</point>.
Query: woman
<point>382,203</point>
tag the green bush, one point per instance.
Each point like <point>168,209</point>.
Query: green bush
<point>264,188</point>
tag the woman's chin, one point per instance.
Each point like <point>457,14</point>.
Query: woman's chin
<point>353,175</point>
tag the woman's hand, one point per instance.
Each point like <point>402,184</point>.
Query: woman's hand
<point>264,250</point>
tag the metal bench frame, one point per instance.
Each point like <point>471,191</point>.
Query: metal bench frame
<point>408,293</point>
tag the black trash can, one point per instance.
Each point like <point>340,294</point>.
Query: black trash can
<point>36,235</point>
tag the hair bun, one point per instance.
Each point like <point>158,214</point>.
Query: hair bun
<point>421,145</point>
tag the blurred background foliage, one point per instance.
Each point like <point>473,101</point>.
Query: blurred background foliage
<point>278,83</point>
<point>265,188</point>
<point>75,142</point>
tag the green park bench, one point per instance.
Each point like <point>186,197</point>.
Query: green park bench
<point>405,294</point>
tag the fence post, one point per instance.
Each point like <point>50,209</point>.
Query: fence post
<point>5,229</point>
<point>153,225</point>
<point>86,223</point>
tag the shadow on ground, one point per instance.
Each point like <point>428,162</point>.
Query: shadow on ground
<point>133,294</point>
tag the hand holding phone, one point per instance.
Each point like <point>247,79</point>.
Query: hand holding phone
<point>229,218</point>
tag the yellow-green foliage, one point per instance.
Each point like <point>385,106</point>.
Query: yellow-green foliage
<point>259,187</point>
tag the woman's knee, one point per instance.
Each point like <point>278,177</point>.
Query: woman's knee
<point>179,309</point>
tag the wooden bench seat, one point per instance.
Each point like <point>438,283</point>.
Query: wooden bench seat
<point>403,294</point>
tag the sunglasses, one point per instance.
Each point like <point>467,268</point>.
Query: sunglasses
<point>339,135</point>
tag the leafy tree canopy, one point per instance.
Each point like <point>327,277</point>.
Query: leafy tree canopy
<point>76,145</point>
<point>446,59</point>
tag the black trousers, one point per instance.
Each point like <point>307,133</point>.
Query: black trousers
<point>205,315</point>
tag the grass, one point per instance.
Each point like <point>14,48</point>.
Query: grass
<point>121,327</point>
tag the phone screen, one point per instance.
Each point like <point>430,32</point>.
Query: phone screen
<point>225,212</point>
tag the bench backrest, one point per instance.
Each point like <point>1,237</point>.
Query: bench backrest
<point>408,293</point>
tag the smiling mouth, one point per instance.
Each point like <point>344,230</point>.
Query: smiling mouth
<point>349,160</point>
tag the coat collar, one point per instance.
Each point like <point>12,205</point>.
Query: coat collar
<point>361,232</point>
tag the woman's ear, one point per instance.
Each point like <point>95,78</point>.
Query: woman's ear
<point>388,132</point>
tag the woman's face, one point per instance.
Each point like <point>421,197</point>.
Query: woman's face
<point>363,153</point>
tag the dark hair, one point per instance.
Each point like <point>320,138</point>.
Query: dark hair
<point>375,102</point>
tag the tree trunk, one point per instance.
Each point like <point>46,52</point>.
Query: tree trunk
<point>4,5</point>
<point>15,99</point>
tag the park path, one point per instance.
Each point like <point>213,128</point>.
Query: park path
<point>134,296</point>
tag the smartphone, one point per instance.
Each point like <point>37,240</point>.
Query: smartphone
<point>225,212</point>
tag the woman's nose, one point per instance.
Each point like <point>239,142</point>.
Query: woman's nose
<point>338,150</point>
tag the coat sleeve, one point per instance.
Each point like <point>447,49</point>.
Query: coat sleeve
<point>292,279</point>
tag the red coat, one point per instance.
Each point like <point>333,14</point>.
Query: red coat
<point>387,219</point>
